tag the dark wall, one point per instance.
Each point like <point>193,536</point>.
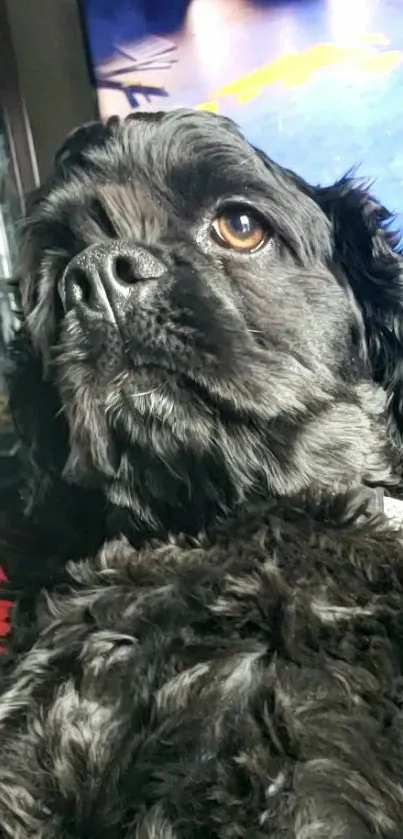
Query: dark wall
<point>49,51</point>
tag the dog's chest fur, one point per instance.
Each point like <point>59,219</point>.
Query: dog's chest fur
<point>246,685</point>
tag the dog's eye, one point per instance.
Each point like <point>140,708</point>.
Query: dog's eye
<point>240,229</point>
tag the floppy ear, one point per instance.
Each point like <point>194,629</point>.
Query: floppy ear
<point>367,250</point>
<point>55,522</point>
<point>35,409</point>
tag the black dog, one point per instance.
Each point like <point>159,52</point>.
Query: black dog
<point>166,374</point>
<point>209,345</point>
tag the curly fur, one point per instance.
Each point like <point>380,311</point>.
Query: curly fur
<point>231,664</point>
<point>249,684</point>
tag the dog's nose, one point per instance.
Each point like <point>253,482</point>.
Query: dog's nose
<point>102,276</point>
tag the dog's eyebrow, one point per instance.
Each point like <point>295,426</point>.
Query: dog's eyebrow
<point>99,212</point>
<point>88,221</point>
<point>132,210</point>
<point>122,205</point>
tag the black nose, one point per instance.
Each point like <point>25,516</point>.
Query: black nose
<point>103,276</point>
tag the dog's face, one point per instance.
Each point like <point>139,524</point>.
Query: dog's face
<point>192,306</point>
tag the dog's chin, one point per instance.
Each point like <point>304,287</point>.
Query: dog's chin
<point>167,428</point>
<point>141,416</point>
<point>175,449</point>
<point>157,437</point>
<point>138,394</point>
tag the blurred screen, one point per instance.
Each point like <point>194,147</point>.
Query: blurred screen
<point>315,83</point>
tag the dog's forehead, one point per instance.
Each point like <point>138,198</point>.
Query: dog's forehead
<point>180,161</point>
<point>143,174</point>
<point>181,156</point>
<point>184,155</point>
<point>160,145</point>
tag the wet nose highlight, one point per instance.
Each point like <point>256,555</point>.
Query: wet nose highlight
<point>105,274</point>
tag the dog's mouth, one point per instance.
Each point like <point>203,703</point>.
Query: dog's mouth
<point>126,373</point>
<point>135,408</point>
<point>142,359</point>
<point>121,401</point>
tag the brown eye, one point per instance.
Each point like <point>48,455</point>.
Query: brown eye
<point>239,228</point>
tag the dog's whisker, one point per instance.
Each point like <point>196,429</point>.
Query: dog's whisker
<point>145,392</point>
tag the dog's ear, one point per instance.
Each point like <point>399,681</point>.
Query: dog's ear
<point>36,411</point>
<point>367,249</point>
<point>53,518</point>
<point>48,522</point>
<point>367,252</point>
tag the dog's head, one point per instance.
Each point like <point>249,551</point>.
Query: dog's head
<point>200,324</point>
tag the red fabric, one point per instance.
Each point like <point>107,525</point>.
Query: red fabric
<point>5,608</point>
